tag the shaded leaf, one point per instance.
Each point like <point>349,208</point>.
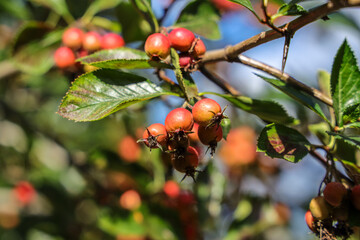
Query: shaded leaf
<point>98,6</point>
<point>345,84</point>
<point>226,126</point>
<point>15,8</point>
<point>353,171</point>
<point>100,93</point>
<point>289,10</point>
<point>201,17</point>
<point>278,141</point>
<point>268,111</point>
<point>352,115</point>
<point>245,3</point>
<point>323,78</point>
<point>304,98</point>
<point>58,6</point>
<point>121,58</point>
<point>352,140</point>
<point>144,6</point>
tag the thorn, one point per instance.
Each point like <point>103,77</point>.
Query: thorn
<point>286,50</point>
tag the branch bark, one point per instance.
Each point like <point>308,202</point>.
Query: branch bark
<point>230,52</point>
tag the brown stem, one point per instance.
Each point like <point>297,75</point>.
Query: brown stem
<point>224,85</point>
<point>285,78</point>
<point>263,37</point>
<point>162,75</point>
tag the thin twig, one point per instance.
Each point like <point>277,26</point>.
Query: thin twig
<point>162,76</point>
<point>284,77</point>
<point>219,81</point>
<point>267,36</point>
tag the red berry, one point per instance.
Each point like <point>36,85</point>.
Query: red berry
<point>92,41</point>
<point>205,110</point>
<point>355,196</point>
<point>171,189</point>
<point>309,219</point>
<point>225,5</point>
<point>185,60</point>
<point>157,45</point>
<point>130,200</point>
<point>188,162</point>
<point>194,137</point>
<point>210,135</point>
<point>334,193</point>
<point>155,135</point>
<point>128,149</point>
<point>199,48</point>
<point>64,57</point>
<point>319,208</point>
<point>181,39</point>
<point>73,38</point>
<point>24,192</point>
<point>179,119</point>
<point>112,40</point>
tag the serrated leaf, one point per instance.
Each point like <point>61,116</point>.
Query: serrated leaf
<point>201,17</point>
<point>268,111</point>
<point>279,141</point>
<point>290,10</point>
<point>34,46</point>
<point>122,58</point>
<point>100,93</point>
<point>352,115</point>
<point>98,6</point>
<point>296,94</point>
<point>352,140</point>
<point>226,127</point>
<point>345,84</point>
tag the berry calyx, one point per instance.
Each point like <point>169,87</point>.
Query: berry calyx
<point>179,119</point>
<point>199,49</point>
<point>310,221</point>
<point>64,57</point>
<point>319,208</point>
<point>210,136</point>
<point>355,196</point>
<point>181,39</point>
<point>207,112</point>
<point>155,136</point>
<point>111,41</point>
<point>157,45</point>
<point>334,193</point>
<point>73,38</point>
<point>185,60</point>
<point>92,41</point>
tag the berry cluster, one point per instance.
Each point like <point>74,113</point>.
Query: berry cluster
<point>157,46</point>
<point>330,212</point>
<point>174,137</point>
<point>79,44</point>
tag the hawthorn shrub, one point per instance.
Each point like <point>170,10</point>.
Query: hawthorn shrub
<point>111,173</point>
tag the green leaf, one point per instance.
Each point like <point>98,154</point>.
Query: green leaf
<point>345,84</point>
<point>134,25</point>
<point>201,17</point>
<point>352,170</point>
<point>247,4</point>
<point>144,6</point>
<point>319,130</point>
<point>352,115</point>
<point>226,126</point>
<point>323,78</point>
<point>58,6</point>
<point>352,140</point>
<point>296,94</point>
<point>34,46</point>
<point>17,8</point>
<point>278,141</point>
<point>289,10</point>
<point>121,58</point>
<point>100,93</point>
<point>98,6</point>
<point>268,111</point>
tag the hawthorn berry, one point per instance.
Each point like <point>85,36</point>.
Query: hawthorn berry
<point>207,112</point>
<point>186,163</point>
<point>179,119</point>
<point>92,41</point>
<point>24,192</point>
<point>64,57</point>
<point>185,60</point>
<point>171,189</point>
<point>181,39</point>
<point>128,149</point>
<point>309,219</point>
<point>319,208</point>
<point>130,200</point>
<point>193,136</point>
<point>210,136</point>
<point>334,193</point>
<point>199,49</point>
<point>155,136</point>
<point>355,196</point>
<point>73,38</point>
<point>112,40</point>
<point>157,45</point>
